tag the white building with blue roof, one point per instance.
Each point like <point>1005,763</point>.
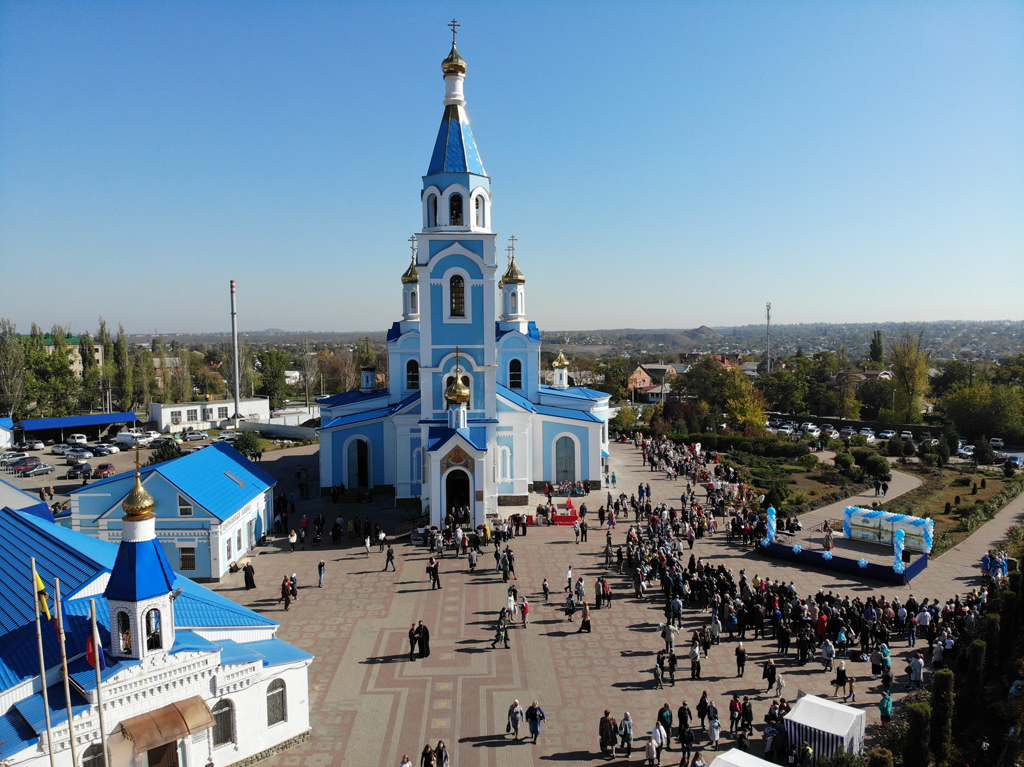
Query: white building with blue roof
<point>213,506</point>
<point>463,321</point>
<point>191,677</point>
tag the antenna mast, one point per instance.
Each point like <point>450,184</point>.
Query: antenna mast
<point>768,317</point>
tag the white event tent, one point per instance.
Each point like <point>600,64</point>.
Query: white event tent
<point>825,725</point>
<point>736,758</point>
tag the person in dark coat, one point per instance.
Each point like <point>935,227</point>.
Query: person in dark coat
<point>424,634</point>
<point>414,639</point>
<point>250,576</point>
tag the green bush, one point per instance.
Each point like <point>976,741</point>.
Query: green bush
<point>842,758</point>
<point>992,633</point>
<point>876,466</point>
<point>961,482</point>
<point>973,681</point>
<point>956,501</point>
<point>894,447</point>
<point>941,724</point>
<point>974,489</point>
<point>844,462</point>
<point>880,757</point>
<point>915,749</point>
<point>808,462</point>
<point>984,484</point>
<point>949,507</point>
<point>908,449</point>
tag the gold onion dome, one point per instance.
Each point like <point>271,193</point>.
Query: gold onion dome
<point>454,63</point>
<point>411,275</point>
<point>512,275</point>
<point>561,361</point>
<point>457,392</point>
<point>139,504</point>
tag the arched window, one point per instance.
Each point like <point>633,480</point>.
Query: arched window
<point>223,723</point>
<point>412,375</point>
<point>93,756</point>
<point>417,465</point>
<point>154,638</point>
<point>457,291</point>
<point>124,631</point>
<point>432,210</point>
<point>455,210</point>
<point>412,302</point>
<point>480,211</point>
<point>515,302</point>
<point>504,464</point>
<point>515,374</point>
<point>277,703</point>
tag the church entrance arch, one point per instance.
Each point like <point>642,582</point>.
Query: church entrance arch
<point>358,463</point>
<point>565,459</point>
<point>456,490</point>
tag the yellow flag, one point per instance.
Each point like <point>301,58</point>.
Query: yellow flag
<point>41,597</point>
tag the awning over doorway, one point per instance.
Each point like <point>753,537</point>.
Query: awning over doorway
<point>168,724</point>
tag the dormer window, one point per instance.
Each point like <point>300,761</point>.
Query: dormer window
<point>184,506</point>
<point>457,292</point>
<point>455,210</point>
<point>154,637</point>
<point>124,632</point>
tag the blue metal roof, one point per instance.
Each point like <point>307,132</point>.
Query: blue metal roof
<point>32,707</point>
<point>204,477</point>
<point>474,435</point>
<point>348,397</point>
<point>140,572</point>
<point>455,148</point>
<point>15,734</point>
<point>575,392</point>
<point>515,399</point>
<point>7,423</point>
<point>562,412</point>
<point>277,652</point>
<point>74,421</point>
<point>84,675</point>
<point>371,415</point>
<point>232,653</point>
<point>190,641</point>
<point>15,497</point>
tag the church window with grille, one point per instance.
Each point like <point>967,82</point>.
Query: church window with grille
<point>455,210</point>
<point>412,375</point>
<point>480,211</point>
<point>277,703</point>
<point>154,638</point>
<point>457,290</point>
<point>124,630</point>
<point>93,756</point>
<point>515,374</point>
<point>223,723</point>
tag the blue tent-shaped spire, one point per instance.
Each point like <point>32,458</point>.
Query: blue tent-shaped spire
<point>141,571</point>
<point>455,149</point>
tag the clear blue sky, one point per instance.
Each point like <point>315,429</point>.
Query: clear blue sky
<point>661,164</point>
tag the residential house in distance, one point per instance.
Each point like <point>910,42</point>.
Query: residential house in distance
<point>213,506</point>
<point>74,355</point>
<point>207,414</point>
<point>190,677</point>
<point>164,368</point>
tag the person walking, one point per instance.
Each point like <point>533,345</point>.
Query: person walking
<point>840,680</point>
<point>435,576</point>
<point>427,757</point>
<point>660,739</point>
<point>424,636</point>
<point>714,732</point>
<point>390,562</point>
<point>769,673</point>
<point>534,719</point>
<point>702,709</point>
<point>607,730</point>
<point>741,660</point>
<point>584,619</point>
<point>515,718</point>
<point>524,610</point>
<point>626,734</point>
<point>320,569</point>
<point>441,756</point>
<point>292,538</point>
<point>366,544</point>
<point>286,593</point>
<point>250,576</point>
<point>686,738</point>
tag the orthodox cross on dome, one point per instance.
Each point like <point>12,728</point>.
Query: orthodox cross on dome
<point>512,244</point>
<point>454,25</point>
<point>510,252</point>
<point>138,464</point>
<point>457,358</point>
<point>412,245</point>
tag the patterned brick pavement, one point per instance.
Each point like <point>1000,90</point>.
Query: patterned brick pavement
<point>370,705</point>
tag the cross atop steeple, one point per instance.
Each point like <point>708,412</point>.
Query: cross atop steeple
<point>412,245</point>
<point>454,25</point>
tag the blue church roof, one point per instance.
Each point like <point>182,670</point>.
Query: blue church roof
<point>575,392</point>
<point>348,397</point>
<point>455,149</point>
<point>474,435</point>
<point>515,399</point>
<point>562,412</point>
<point>218,478</point>
<point>370,415</point>
<point>18,499</point>
<point>141,571</point>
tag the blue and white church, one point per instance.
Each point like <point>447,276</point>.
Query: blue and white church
<point>463,421</point>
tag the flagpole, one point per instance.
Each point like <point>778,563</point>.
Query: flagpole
<point>42,663</point>
<point>64,667</point>
<point>97,649</point>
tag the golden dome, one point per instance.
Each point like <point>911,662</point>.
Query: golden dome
<point>512,275</point>
<point>368,368</point>
<point>411,275</point>
<point>139,504</point>
<point>454,63</point>
<point>561,361</point>
<point>457,392</point>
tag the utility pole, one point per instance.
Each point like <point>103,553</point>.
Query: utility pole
<point>234,353</point>
<point>768,317</point>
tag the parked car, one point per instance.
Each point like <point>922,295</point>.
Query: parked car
<point>23,464</point>
<point>786,429</point>
<point>966,451</point>
<point>227,436</point>
<point>11,457</point>
<point>814,432</point>
<point>104,470</point>
<point>907,436</point>
<point>77,456</point>
<point>35,444</point>
<point>104,450</point>
<point>847,432</point>
<point>80,471</point>
<point>38,470</point>
<point>807,425</point>
<point>887,434</point>
<point>193,436</point>
<point>997,442</point>
<point>77,439</point>
<point>60,448</point>
<point>162,442</point>
<point>1017,461</point>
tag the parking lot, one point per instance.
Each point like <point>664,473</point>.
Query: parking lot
<point>122,462</point>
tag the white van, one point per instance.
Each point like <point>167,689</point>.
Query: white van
<point>77,439</point>
<point>128,440</point>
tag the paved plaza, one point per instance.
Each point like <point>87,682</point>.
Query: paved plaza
<point>370,705</point>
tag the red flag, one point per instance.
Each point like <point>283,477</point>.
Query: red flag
<point>92,655</point>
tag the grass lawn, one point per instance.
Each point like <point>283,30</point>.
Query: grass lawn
<point>939,488</point>
<point>266,444</point>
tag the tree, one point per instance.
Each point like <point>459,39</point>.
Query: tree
<point>707,381</point>
<point>992,634</point>
<point>784,390</point>
<point>367,354</point>
<point>984,455</point>
<point>746,406</point>
<point>876,396</point>
<point>842,758</point>
<point>876,466</point>
<point>876,352</point>
<point>124,392</point>
<point>89,395</point>
<point>624,420</point>
<point>953,373</point>
<point>273,386</point>
<point>984,408</point>
<point>909,363</point>
<point>915,750</point>
<point>880,757</point>
<point>12,368</point>
<point>143,377</point>
<point>248,444</point>
<point>167,452</point>
<point>941,724</point>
